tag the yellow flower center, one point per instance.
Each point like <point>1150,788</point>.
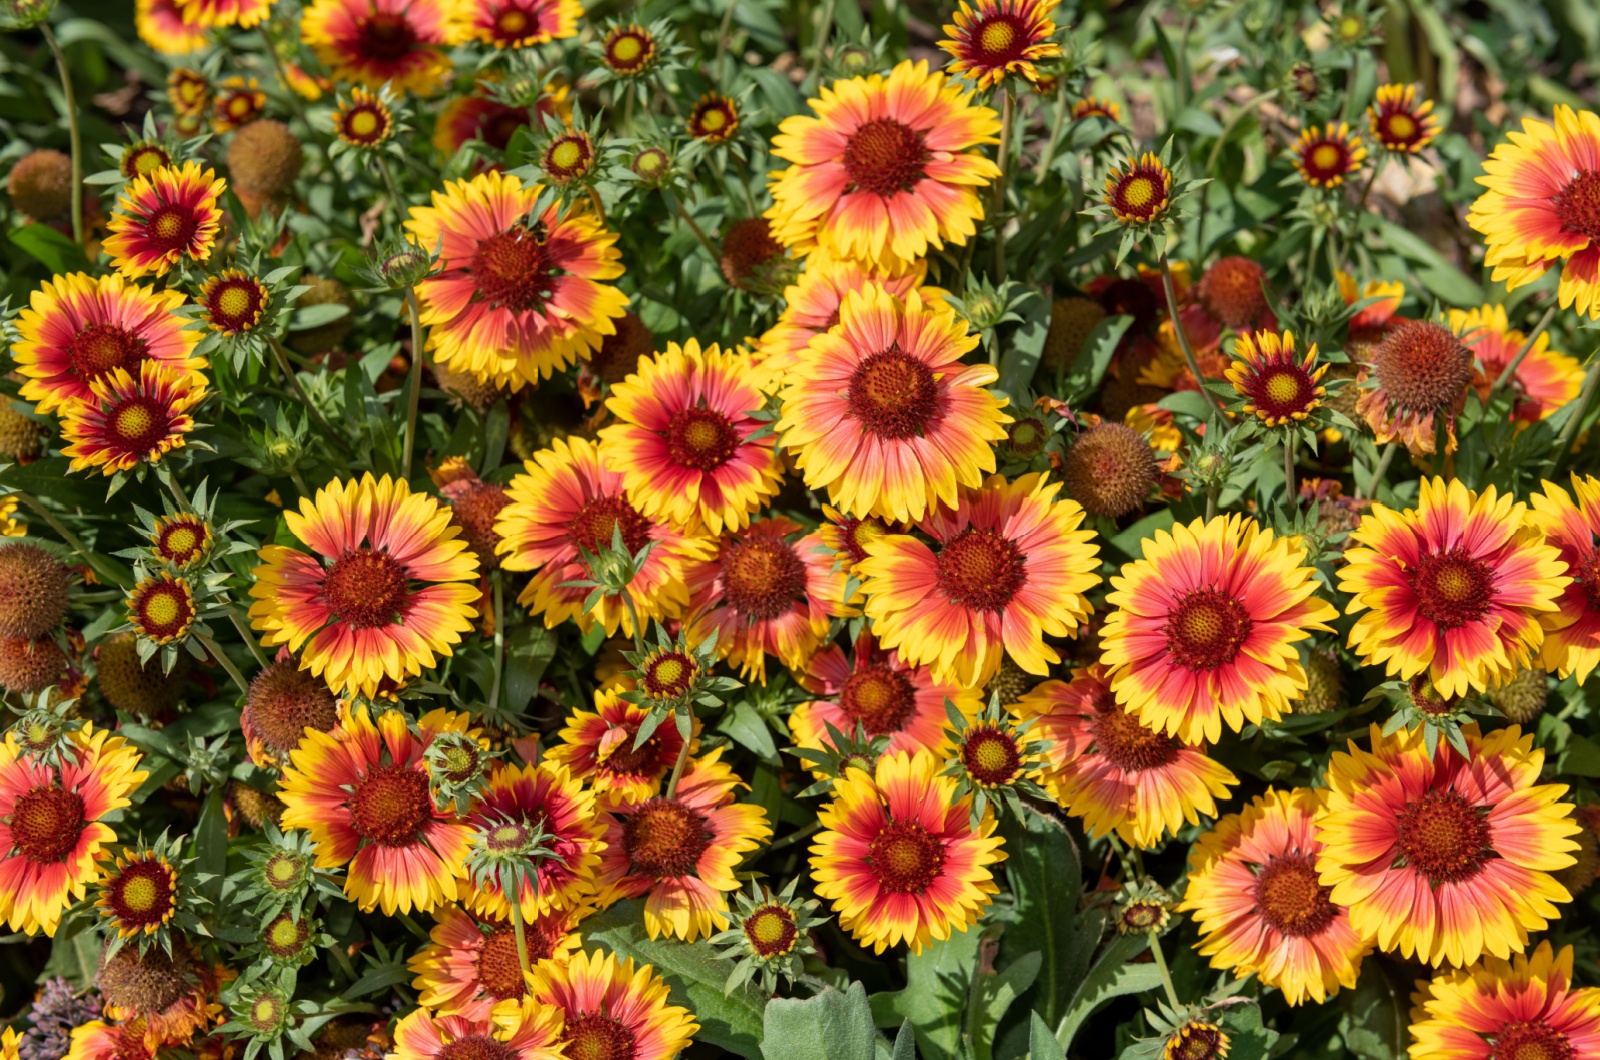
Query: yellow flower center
<point>1401,127</point>
<point>285,934</point>
<point>595,1036</point>
<point>1325,157</point>
<point>1282,387</point>
<point>1350,27</point>
<point>140,894</point>
<point>767,927</point>
<point>713,120</point>
<point>566,154</point>
<point>1139,192</point>
<point>363,123</point>
<point>134,421</point>
<point>182,541</point>
<point>162,609</point>
<point>512,21</point>
<point>997,36</point>
<point>167,225</point>
<point>627,49</point>
<point>234,302</point>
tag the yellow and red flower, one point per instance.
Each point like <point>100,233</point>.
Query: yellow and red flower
<point>138,894</point>
<point>813,303</point>
<point>1011,566</point>
<point>1206,624</point>
<point>547,796</point>
<point>99,1040</point>
<point>1542,207</point>
<point>1139,192</point>
<point>51,830</point>
<point>479,117</point>
<point>517,296</point>
<point>470,966</point>
<point>1499,1010</point>
<point>766,593</point>
<point>162,608</point>
<point>1399,121</point>
<point>679,853</point>
<point>885,169</point>
<point>877,691</point>
<point>352,605</point>
<point>713,119</point>
<point>606,1003</point>
<point>1545,380</point>
<point>1092,106</point>
<point>130,419</point>
<point>847,537</point>
<point>234,301</point>
<point>160,24</point>
<point>993,38</point>
<point>1444,856</point>
<point>403,43</point>
<point>567,502</point>
<point>521,23</point>
<point>78,329</point>
<point>1455,589</point>
<point>218,14</point>
<point>682,439</point>
<point>1327,155</point>
<point>1278,388</point>
<point>1116,774</point>
<point>161,219</point>
<point>525,1030</point>
<point>599,746</point>
<point>189,91</point>
<point>899,857</point>
<point>239,101</point>
<point>362,791</point>
<point>882,412</point>
<point>363,119</point>
<point>1571,523</point>
<point>1261,910</point>
<point>628,50</point>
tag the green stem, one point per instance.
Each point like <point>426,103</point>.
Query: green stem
<point>295,103</point>
<point>166,475</point>
<point>1057,125</point>
<point>824,29</point>
<point>1384,460</point>
<point>299,483</point>
<point>633,618</point>
<point>68,537</point>
<point>798,835</point>
<point>1183,338</point>
<point>1372,178</point>
<point>1570,430</point>
<point>390,185</point>
<point>1166,976</point>
<point>515,902</point>
<point>699,233</point>
<point>1288,469</point>
<point>225,662</point>
<point>249,638</point>
<point>499,642</point>
<point>75,136</point>
<point>294,384</point>
<point>683,759</point>
<point>413,383</point>
<point>724,33</point>
<point>1211,502</point>
<point>1008,108</point>
<point>1527,345</point>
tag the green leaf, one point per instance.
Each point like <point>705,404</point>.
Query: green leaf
<point>56,250</point>
<point>1046,881</point>
<point>1112,976</point>
<point>992,995</point>
<point>1249,1038</point>
<point>1042,1045</point>
<point>1444,280</point>
<point>1580,758</point>
<point>1187,403</point>
<point>1094,357</point>
<point>905,1042</point>
<point>314,316</point>
<point>1375,1017</point>
<point>1131,540</point>
<point>380,977</point>
<point>829,1026</point>
<point>529,649</point>
<point>935,996</point>
<point>211,844</point>
<point>1022,353</point>
<point>745,724</point>
<point>694,973</point>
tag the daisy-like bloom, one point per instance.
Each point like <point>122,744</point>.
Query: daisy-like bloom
<point>189,91</point>
<point>181,539</point>
<point>216,14</point>
<point>767,592</point>
<point>138,894</point>
<point>1545,380</point>
<point>812,305</point>
<point>1445,856</point>
<point>611,1009</point>
<point>162,608</point>
<point>679,853</point>
<point>1255,895</point>
<point>141,158</point>
<point>234,301</point>
<point>1571,523</point>
<point>1401,122</point>
<point>362,791</point>
<point>1542,207</point>
<point>1455,588</point>
<point>77,329</point>
<point>682,439</point>
<point>885,169</point>
<point>880,693</point>
<point>1327,155</point>
<point>546,795</point>
<point>374,42</point>
<point>628,50</point>
<point>362,119</point>
<point>713,119</point>
<point>1196,1040</point>
<point>566,503</point>
<point>51,831</point>
<point>1010,566</point>
<point>527,1030</point>
<point>160,24</point>
<point>516,296</point>
<point>469,967</point>
<point>882,412</point>
<point>570,157</point>
<point>599,746</point>
<point>130,419</point>
<point>478,117</point>
<point>99,1040</point>
<point>353,605</point>
<point>993,38</point>
<point>172,214</point>
<point>521,23</point>
<point>1507,1010</point>
<point>1116,774</point>
<point>1422,370</point>
<point>847,537</point>
<point>1139,191</point>
<point>1277,387</point>
<point>1092,106</point>
<point>239,102</point>
<point>1205,627</point>
<point>898,856</point>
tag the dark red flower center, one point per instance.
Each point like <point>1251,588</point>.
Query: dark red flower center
<point>364,123</point>
<point>1128,745</point>
<point>629,50</point>
<point>1444,837</point>
<point>1586,572</point>
<point>142,159</point>
<point>568,157</point>
<point>996,40</point>
<point>981,569</point>
<point>1325,159</point>
<point>885,156</point>
<point>713,119</point>
<point>664,838</point>
<point>1578,204</point>
<point>627,760</point>
<point>762,576</point>
<point>140,895</point>
<point>390,805</point>
<point>596,523</point>
<point>893,394</point>
<point>595,1036</point>
<point>164,608</point>
<point>1206,629</point>
<point>905,857</point>
<point>1281,390</point>
<point>991,757</point>
<point>1291,898</point>
<point>499,970</point>
<point>500,123</point>
<point>138,425</point>
<point>878,698</point>
<point>1453,587</point>
<point>1422,365</point>
<point>514,23</point>
<point>1531,1040</point>
<point>1197,1041</point>
<point>46,823</point>
<point>701,438</point>
<point>669,675</point>
<point>1140,193</point>
<point>770,930</point>
<point>234,304</point>
<point>857,533</point>
<point>385,37</point>
<point>512,271</point>
<point>366,588</point>
<point>99,348</point>
<point>1399,129</point>
<point>476,1047</point>
<point>1131,298</point>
